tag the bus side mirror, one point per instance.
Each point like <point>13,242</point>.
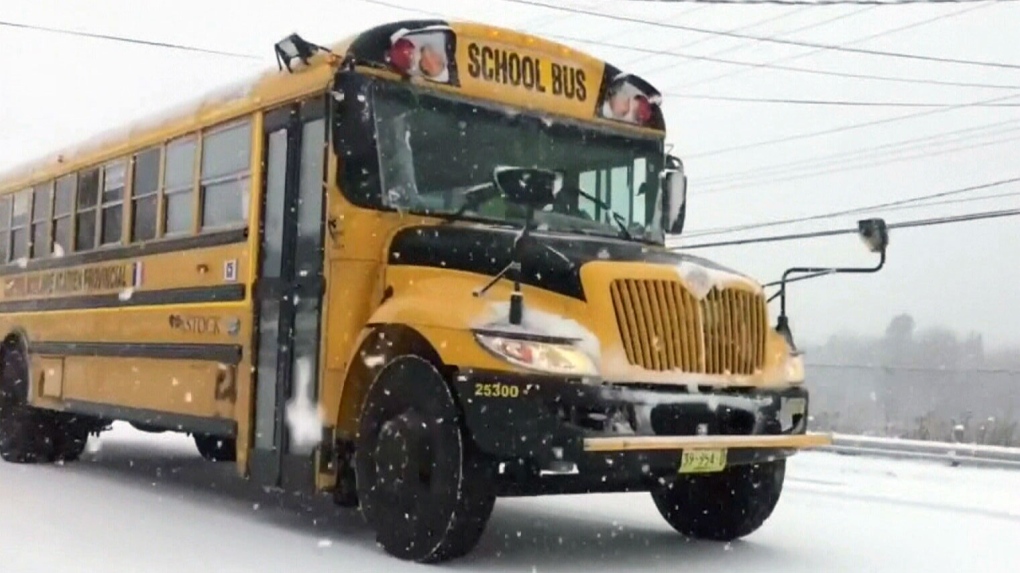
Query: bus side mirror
<point>874,233</point>
<point>674,197</point>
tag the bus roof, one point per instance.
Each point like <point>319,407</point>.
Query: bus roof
<point>476,60</point>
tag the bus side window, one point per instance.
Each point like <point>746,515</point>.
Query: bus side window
<point>145,194</point>
<point>178,183</point>
<point>41,205</point>
<point>5,229</point>
<point>20,224</point>
<point>88,199</point>
<point>112,215</point>
<point>63,208</point>
<point>226,161</point>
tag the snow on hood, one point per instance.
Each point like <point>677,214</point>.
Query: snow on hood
<point>701,275</point>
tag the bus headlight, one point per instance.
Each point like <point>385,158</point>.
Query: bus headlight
<point>794,368</point>
<point>546,356</point>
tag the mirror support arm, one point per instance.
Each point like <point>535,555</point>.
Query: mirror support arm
<point>817,272</point>
<point>782,322</point>
<point>874,233</point>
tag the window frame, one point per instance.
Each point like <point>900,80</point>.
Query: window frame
<point>133,198</point>
<point>103,204</point>
<point>45,218</point>
<point>55,217</point>
<point>25,195</point>
<point>167,191</point>
<point>93,208</point>
<point>242,177</point>
<point>6,204</point>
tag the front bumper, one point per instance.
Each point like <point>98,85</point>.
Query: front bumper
<point>626,433</point>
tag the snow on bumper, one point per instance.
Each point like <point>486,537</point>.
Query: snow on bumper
<point>549,420</point>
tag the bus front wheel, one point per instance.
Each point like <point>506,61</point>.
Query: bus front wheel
<point>422,487</point>
<point>722,506</point>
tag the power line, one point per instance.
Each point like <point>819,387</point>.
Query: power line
<point>842,157</point>
<point>861,163</point>
<point>819,2</point>
<point>748,26</point>
<point>796,69</point>
<point>857,210</point>
<point>847,103</point>
<point>125,39</point>
<point>977,216</point>
<point>860,40</point>
<point>800,43</point>
<point>705,39</point>
<point>851,127</point>
<point>958,201</point>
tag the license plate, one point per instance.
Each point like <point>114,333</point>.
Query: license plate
<point>702,461</point>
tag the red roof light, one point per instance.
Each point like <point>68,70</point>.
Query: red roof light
<point>643,113</point>
<point>401,55</point>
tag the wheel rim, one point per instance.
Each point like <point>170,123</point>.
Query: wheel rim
<point>409,463</point>
<point>404,457</point>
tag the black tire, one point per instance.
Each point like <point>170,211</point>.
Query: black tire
<point>216,448</point>
<point>723,506</point>
<point>27,434</point>
<point>71,436</point>
<point>422,487</point>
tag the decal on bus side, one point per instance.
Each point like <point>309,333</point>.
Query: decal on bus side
<point>62,281</point>
<point>195,324</point>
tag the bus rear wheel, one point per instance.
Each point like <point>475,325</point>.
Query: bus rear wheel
<point>723,506</point>
<point>422,487</point>
<point>30,435</point>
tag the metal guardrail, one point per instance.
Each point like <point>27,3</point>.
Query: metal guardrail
<point>955,454</point>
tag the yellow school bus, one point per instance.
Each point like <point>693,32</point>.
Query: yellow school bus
<point>420,268</point>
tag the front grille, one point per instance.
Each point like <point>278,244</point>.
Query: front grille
<point>664,327</point>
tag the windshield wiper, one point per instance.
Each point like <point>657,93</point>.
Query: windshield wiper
<point>620,221</point>
<point>473,198</point>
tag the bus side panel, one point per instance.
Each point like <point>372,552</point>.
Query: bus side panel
<point>175,386</point>
<point>177,342</point>
<point>140,358</point>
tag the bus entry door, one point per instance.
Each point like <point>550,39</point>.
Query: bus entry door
<point>288,297</point>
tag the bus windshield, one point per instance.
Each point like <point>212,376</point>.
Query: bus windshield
<point>434,152</point>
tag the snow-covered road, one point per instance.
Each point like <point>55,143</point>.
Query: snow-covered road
<point>149,504</point>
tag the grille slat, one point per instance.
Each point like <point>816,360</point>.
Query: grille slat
<point>664,327</point>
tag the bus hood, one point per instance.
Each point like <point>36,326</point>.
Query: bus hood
<point>552,262</point>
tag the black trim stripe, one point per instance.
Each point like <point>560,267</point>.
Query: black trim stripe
<point>184,295</point>
<point>176,422</point>
<point>130,251</point>
<point>552,261</point>
<point>226,353</point>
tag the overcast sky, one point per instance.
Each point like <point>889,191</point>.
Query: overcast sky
<point>57,89</point>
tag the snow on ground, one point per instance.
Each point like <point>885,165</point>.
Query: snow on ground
<point>149,504</point>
